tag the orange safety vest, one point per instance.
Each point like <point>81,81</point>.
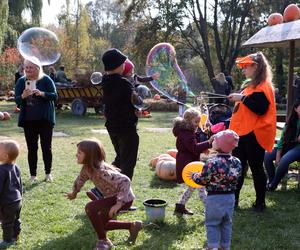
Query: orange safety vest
<point>244,121</point>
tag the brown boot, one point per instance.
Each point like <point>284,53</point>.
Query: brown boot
<point>180,209</point>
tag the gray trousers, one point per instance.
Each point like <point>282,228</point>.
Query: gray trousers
<point>10,218</point>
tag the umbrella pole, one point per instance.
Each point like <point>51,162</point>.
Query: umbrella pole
<point>290,97</point>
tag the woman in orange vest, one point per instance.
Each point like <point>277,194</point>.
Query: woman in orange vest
<point>254,120</point>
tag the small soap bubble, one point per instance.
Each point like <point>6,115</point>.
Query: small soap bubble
<point>96,78</point>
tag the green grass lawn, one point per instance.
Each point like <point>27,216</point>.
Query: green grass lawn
<point>50,221</point>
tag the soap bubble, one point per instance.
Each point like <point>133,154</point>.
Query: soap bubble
<point>96,78</point>
<point>40,43</point>
<point>162,59</point>
<point>143,94</point>
<point>143,91</point>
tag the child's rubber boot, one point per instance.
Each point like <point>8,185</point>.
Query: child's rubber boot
<point>181,209</point>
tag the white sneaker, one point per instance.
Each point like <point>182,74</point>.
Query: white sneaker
<point>32,179</point>
<point>48,178</point>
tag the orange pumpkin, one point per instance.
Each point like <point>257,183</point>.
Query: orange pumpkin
<point>6,115</point>
<point>1,116</point>
<point>291,13</point>
<point>172,152</point>
<point>153,162</point>
<point>275,18</point>
<point>156,97</point>
<point>166,170</point>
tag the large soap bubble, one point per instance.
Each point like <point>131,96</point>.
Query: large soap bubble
<point>96,78</point>
<point>162,58</point>
<point>40,43</point>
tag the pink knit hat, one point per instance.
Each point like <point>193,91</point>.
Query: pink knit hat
<point>129,66</point>
<point>226,140</point>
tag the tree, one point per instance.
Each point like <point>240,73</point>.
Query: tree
<point>8,60</point>
<point>204,27</point>
<point>3,20</point>
<point>280,78</point>
<point>16,23</point>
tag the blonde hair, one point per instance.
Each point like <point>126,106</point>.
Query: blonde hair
<point>11,148</point>
<point>34,60</point>
<point>189,115</point>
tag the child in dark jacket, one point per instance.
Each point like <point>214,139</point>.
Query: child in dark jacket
<point>189,149</point>
<point>10,193</point>
<point>121,119</point>
<point>220,177</point>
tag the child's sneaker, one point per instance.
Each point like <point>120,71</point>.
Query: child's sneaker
<point>134,231</point>
<point>48,178</point>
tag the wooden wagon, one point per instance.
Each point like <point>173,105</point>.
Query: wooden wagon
<point>81,98</point>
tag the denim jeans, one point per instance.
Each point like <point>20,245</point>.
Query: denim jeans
<point>218,220</point>
<point>283,166</point>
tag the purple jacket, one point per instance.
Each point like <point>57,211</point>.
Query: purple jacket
<point>188,147</point>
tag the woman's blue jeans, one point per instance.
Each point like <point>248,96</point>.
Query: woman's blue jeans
<point>283,166</point>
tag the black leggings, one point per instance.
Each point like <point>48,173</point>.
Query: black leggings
<point>33,130</point>
<point>250,152</point>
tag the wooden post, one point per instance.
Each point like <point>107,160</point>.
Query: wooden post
<point>290,94</point>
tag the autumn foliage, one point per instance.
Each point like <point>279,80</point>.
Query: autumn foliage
<point>9,60</point>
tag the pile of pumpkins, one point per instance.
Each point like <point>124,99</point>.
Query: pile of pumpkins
<point>291,13</point>
<point>4,116</point>
<point>165,165</point>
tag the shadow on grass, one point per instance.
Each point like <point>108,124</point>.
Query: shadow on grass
<point>277,223</point>
<point>158,183</point>
<point>27,186</point>
<point>83,238</point>
<point>171,233</point>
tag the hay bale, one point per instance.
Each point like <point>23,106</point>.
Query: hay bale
<point>82,78</point>
<point>162,105</point>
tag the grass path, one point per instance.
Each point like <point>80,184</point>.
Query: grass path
<point>52,222</point>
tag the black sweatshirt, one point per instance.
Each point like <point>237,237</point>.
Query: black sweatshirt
<point>257,102</point>
<point>119,110</point>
